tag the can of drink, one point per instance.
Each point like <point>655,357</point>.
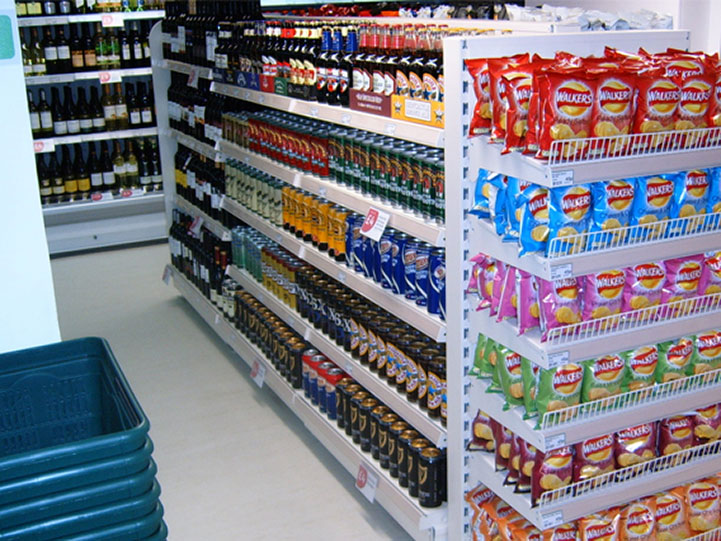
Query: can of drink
<point>385,249</point>
<point>359,246</point>
<point>404,448</point>
<point>431,477</point>
<point>348,392</point>
<point>436,386</point>
<point>323,226</point>
<point>394,433</point>
<point>410,254</point>
<point>376,415</point>
<point>377,274</point>
<point>355,403</point>
<point>295,364</point>
<point>398,269</point>
<point>420,194</point>
<point>436,281</point>
<point>332,378</point>
<point>364,422</point>
<point>348,235</point>
<point>313,365</point>
<point>308,355</point>
<point>417,446</point>
<point>322,382</point>
<point>404,365</point>
<point>423,256</point>
<point>393,173</point>
<point>384,429</point>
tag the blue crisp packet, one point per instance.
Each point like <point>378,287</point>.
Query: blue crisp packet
<point>534,219</point>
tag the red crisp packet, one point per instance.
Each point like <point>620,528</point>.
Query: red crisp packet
<point>527,462</point>
<point>481,121</point>
<point>514,462</point>
<point>635,445</point>
<point>594,457</point>
<point>675,434</point>
<point>551,471</point>
<point>503,438</point>
<point>707,424</point>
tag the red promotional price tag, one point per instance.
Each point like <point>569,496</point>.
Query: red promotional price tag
<point>196,225</point>
<point>166,275</point>
<point>367,482</point>
<point>109,77</point>
<point>257,373</point>
<point>193,77</point>
<point>126,193</point>
<point>112,19</point>
<point>375,223</point>
<point>48,145</point>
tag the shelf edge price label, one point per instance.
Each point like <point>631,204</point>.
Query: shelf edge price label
<point>314,112</point>
<point>562,178</point>
<point>346,119</point>
<point>551,520</point>
<point>561,272</point>
<point>322,191</point>
<point>390,128</point>
<point>196,225</point>
<point>555,442</point>
<point>375,223</point>
<point>367,482</point>
<point>112,19</point>
<point>193,77</point>
<point>106,77</point>
<point>166,275</point>
<point>348,368</point>
<point>48,145</point>
<point>559,358</point>
<point>257,373</point>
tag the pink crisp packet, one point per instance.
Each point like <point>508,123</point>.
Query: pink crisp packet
<point>560,303</point>
<point>485,282</point>
<point>711,274</point>
<point>499,275</point>
<point>527,295</point>
<point>509,299</point>
<point>644,286</point>
<point>603,294</point>
<point>683,277</point>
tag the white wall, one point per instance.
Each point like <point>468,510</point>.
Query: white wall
<point>28,316</point>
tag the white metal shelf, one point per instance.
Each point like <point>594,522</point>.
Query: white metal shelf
<point>397,305</point>
<point>214,226</point>
<point>354,200</point>
<point>182,67</point>
<point>49,144</point>
<point>422,524</point>
<point>483,238</point>
<point>86,75</point>
<point>192,143</point>
<point>584,423</point>
<point>400,129</point>
<point>573,506</point>
<point>548,354</point>
<point>539,172</point>
<point>409,411</point>
<point>107,19</point>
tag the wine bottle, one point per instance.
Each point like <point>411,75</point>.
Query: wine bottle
<point>69,180</point>
<point>126,53</point>
<point>77,51</point>
<point>34,116</point>
<point>145,44</point>
<point>131,166</point>
<point>90,59</point>
<point>118,167</point>
<point>50,52</point>
<point>94,168</point>
<point>145,104</point>
<point>44,180</point>
<point>60,122</point>
<point>144,177</point>
<point>35,8</point>
<point>37,53</point>
<point>109,109</point>
<point>21,8</point>
<point>56,179</point>
<point>46,116</point>
<point>107,168</point>
<point>136,47</point>
<point>113,51</point>
<point>96,111</point>
<point>49,8</point>
<point>154,163</point>
<point>133,108</point>
<point>27,55</point>
<point>82,110</point>
<point>121,109</point>
<point>101,48</point>
<point>64,64</point>
<point>65,7</point>
<point>71,114</point>
<point>81,174</point>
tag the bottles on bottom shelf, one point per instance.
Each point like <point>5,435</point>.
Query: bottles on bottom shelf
<point>406,358</point>
<point>77,179</point>
<point>418,465</point>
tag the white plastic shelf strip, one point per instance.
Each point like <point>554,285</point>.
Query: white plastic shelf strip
<point>214,226</point>
<point>108,19</point>
<point>400,129</point>
<point>416,520</point>
<point>182,67</point>
<point>349,198</point>
<point>49,144</point>
<point>198,146</point>
<point>621,248</point>
<point>86,75</point>
<point>397,305</point>
<point>590,339</point>
<point>578,423</point>
<point>701,462</point>
<point>409,411</point>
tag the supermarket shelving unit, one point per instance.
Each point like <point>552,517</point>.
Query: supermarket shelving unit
<point>462,237</point>
<point>109,221</point>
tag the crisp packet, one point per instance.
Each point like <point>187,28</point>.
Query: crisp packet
<point>704,507</point>
<point>714,200</point>
<point>551,470</point>
<point>570,216</point>
<point>603,296</point>
<point>490,359</point>
<point>594,457</point>
<point>644,287</point>
<point>638,521</point>
<point>641,366</point>
<point>675,434</point>
<point>509,298</point>
<point>707,352</point>
<point>530,372</point>
<point>525,470</point>
<point>560,303</point>
<point>514,462</point>
<point>497,202</point>
<point>509,374</point>
<point>478,355</point>
<point>690,199</point>
<point>565,532</point>
<point>635,444</point>
<point>683,277</point>
<point>707,424</point>
<point>711,274</point>
<point>499,277</point>
<point>481,120</point>
<point>503,438</point>
<point>482,433</point>
<point>603,377</point>
<point>489,269</point>
<point>534,219</point>
<point>652,205</point>
<point>528,308</point>
<point>612,204</point>
<point>480,201</point>
<point>674,359</point>
<point>514,207</point>
<point>559,388</point>
<point>671,519</point>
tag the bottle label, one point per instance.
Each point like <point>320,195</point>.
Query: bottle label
<point>199,114</point>
<point>39,69</point>
<point>27,69</point>
<point>78,59</point>
<point>109,177</point>
<point>84,184</point>
<point>416,85</point>
<point>51,54</point>
<point>333,80</point>
<point>390,83</point>
<point>86,124</point>
<point>430,87</point>
<point>96,179</point>
<point>119,170</point>
<point>46,191</point>
<point>90,59</point>
<point>34,121</point>
<point>60,127</point>
<point>73,126</point>
<point>71,186</point>
<point>121,111</point>
<point>64,52</point>
<point>126,52</point>
<point>343,81</point>
<point>138,51</point>
<point>145,180</point>
<point>367,81</point>
<point>99,123</point>
<point>59,189</point>
<point>379,82</point>
<point>191,119</point>
<point>46,120</point>
<point>221,61</point>
<point>79,4</point>
<point>131,168</point>
<point>320,78</point>
<point>135,117</point>
<point>147,116</point>
<point>109,111</point>
<point>146,51</point>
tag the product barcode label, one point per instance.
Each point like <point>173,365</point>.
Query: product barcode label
<point>555,441</point>
<point>559,358</point>
<point>561,272</point>
<point>562,178</point>
<point>551,520</point>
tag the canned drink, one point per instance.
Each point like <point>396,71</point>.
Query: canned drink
<point>369,257</point>
<point>339,233</point>
<point>322,383</point>
<point>436,386</point>
<point>295,364</point>
<point>423,256</point>
<point>413,380</point>
<point>404,449</point>
<point>394,433</point>
<point>340,400</point>
<point>364,423</point>
<point>439,187</point>
<point>376,414</point>
<point>392,353</point>
<point>417,446</point>
<point>332,377</point>
<point>359,246</point>
<point>382,331</point>
<point>431,477</point>
<point>356,313</point>
<point>420,192</point>
<point>348,392</point>
<point>355,403</point>
<point>410,253</point>
<point>436,280</point>
<point>320,287</point>
<point>384,429</point>
<point>398,269</point>
<point>404,365</point>
<point>424,361</point>
<point>313,364</point>
<point>349,239</point>
<point>385,249</point>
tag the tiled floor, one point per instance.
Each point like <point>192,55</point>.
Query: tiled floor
<point>234,462</point>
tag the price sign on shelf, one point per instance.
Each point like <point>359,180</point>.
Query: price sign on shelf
<point>101,196</point>
<point>112,19</point>
<point>367,482</point>
<point>48,145</point>
<point>257,373</point>
<point>109,77</point>
<point>193,77</point>
<point>551,520</point>
<point>559,358</point>
<point>166,275</point>
<point>196,225</point>
<point>375,223</point>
